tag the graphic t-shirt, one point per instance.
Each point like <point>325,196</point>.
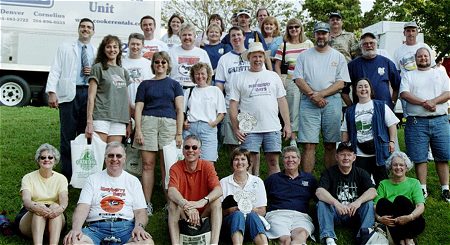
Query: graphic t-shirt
<point>139,70</point>
<point>182,61</point>
<point>404,57</point>
<point>153,46</point>
<point>112,197</point>
<point>345,188</point>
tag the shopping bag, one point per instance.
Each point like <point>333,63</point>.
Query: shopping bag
<point>198,235</point>
<point>86,159</point>
<point>171,155</point>
<point>134,160</point>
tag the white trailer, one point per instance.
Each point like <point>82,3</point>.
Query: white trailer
<point>31,31</point>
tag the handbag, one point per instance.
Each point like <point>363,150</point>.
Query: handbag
<point>376,236</point>
<point>171,155</point>
<point>284,66</point>
<point>87,158</point>
<point>367,147</point>
<point>197,235</point>
<point>187,102</point>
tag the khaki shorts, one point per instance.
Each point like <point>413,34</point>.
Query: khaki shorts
<point>283,221</point>
<point>227,131</point>
<point>157,132</point>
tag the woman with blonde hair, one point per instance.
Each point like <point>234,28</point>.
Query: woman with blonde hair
<point>295,42</point>
<point>270,29</point>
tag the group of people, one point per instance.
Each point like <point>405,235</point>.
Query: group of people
<point>247,89</point>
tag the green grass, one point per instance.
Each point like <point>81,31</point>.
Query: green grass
<point>22,130</point>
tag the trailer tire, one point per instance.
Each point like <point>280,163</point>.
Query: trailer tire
<point>14,91</point>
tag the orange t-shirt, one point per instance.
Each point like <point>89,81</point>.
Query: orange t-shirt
<point>196,185</point>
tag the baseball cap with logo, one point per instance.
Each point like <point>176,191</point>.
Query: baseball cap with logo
<point>321,26</point>
<point>335,14</point>
<point>243,11</point>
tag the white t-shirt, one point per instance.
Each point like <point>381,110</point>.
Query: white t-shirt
<point>258,94</point>
<point>426,85</point>
<point>139,70</point>
<point>112,197</point>
<point>153,46</point>
<point>230,64</point>
<point>321,70</point>
<point>204,104</point>
<point>172,41</point>
<point>404,57</point>
<point>182,61</point>
<point>363,121</point>
<point>254,184</point>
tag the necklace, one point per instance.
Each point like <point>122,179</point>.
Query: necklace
<point>240,182</point>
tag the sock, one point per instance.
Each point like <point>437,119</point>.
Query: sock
<point>444,187</point>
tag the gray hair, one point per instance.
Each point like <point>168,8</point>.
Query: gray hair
<point>112,145</point>
<point>400,155</point>
<point>290,149</point>
<point>186,27</point>
<point>193,137</point>
<point>50,149</point>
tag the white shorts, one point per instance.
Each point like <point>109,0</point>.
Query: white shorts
<point>110,128</point>
<point>283,221</point>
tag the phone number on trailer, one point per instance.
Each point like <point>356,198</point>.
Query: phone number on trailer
<point>17,19</point>
<point>57,22</point>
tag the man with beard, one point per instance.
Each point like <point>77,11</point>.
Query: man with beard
<point>320,73</point>
<point>67,88</point>
<point>378,69</point>
<point>426,92</point>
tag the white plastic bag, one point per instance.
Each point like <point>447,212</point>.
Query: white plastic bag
<point>86,159</point>
<point>171,155</point>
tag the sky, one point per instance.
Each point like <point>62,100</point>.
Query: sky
<point>366,5</point>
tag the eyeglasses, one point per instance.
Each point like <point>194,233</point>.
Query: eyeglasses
<point>368,44</point>
<point>157,62</point>
<point>118,156</point>
<point>188,147</point>
<point>293,27</point>
<point>46,157</point>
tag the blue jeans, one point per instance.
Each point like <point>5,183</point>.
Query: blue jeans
<point>72,119</point>
<point>98,231</point>
<point>236,221</point>
<point>208,136</point>
<point>327,215</point>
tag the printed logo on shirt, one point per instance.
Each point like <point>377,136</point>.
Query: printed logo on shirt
<point>363,121</point>
<point>381,71</point>
<point>118,81</point>
<point>346,192</point>
<point>112,204</point>
<point>135,74</point>
<point>184,67</point>
<point>408,63</point>
<point>148,51</point>
<point>334,64</point>
<point>305,183</point>
<point>259,89</point>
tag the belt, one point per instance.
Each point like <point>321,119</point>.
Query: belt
<point>107,220</point>
<point>430,117</point>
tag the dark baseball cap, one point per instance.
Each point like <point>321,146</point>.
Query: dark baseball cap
<point>321,26</point>
<point>368,34</point>
<point>344,146</point>
<point>335,14</point>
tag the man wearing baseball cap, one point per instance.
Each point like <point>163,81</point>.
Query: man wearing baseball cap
<point>345,195</point>
<point>244,21</point>
<point>341,40</point>
<point>404,55</point>
<point>260,95</point>
<point>320,73</point>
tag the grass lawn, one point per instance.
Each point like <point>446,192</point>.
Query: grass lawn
<point>22,130</point>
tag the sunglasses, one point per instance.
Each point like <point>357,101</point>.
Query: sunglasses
<point>157,62</point>
<point>118,156</point>
<point>46,157</point>
<point>188,147</point>
<point>293,27</point>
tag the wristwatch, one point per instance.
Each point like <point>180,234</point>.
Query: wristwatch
<point>207,199</point>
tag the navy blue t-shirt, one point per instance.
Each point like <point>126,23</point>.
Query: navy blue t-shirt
<point>286,193</point>
<point>215,52</point>
<point>380,71</point>
<point>159,97</point>
<point>249,38</point>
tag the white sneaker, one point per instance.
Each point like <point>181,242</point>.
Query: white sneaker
<point>330,241</point>
<point>293,143</point>
<point>149,209</point>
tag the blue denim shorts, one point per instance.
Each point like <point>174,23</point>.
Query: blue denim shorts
<point>423,132</point>
<point>249,226</point>
<point>313,120</point>
<point>98,231</point>
<point>270,141</point>
<point>208,136</point>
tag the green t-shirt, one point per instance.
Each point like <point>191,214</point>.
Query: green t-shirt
<point>410,188</point>
<point>111,101</point>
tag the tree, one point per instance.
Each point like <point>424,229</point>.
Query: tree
<point>318,10</point>
<point>431,16</point>
<point>198,11</point>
